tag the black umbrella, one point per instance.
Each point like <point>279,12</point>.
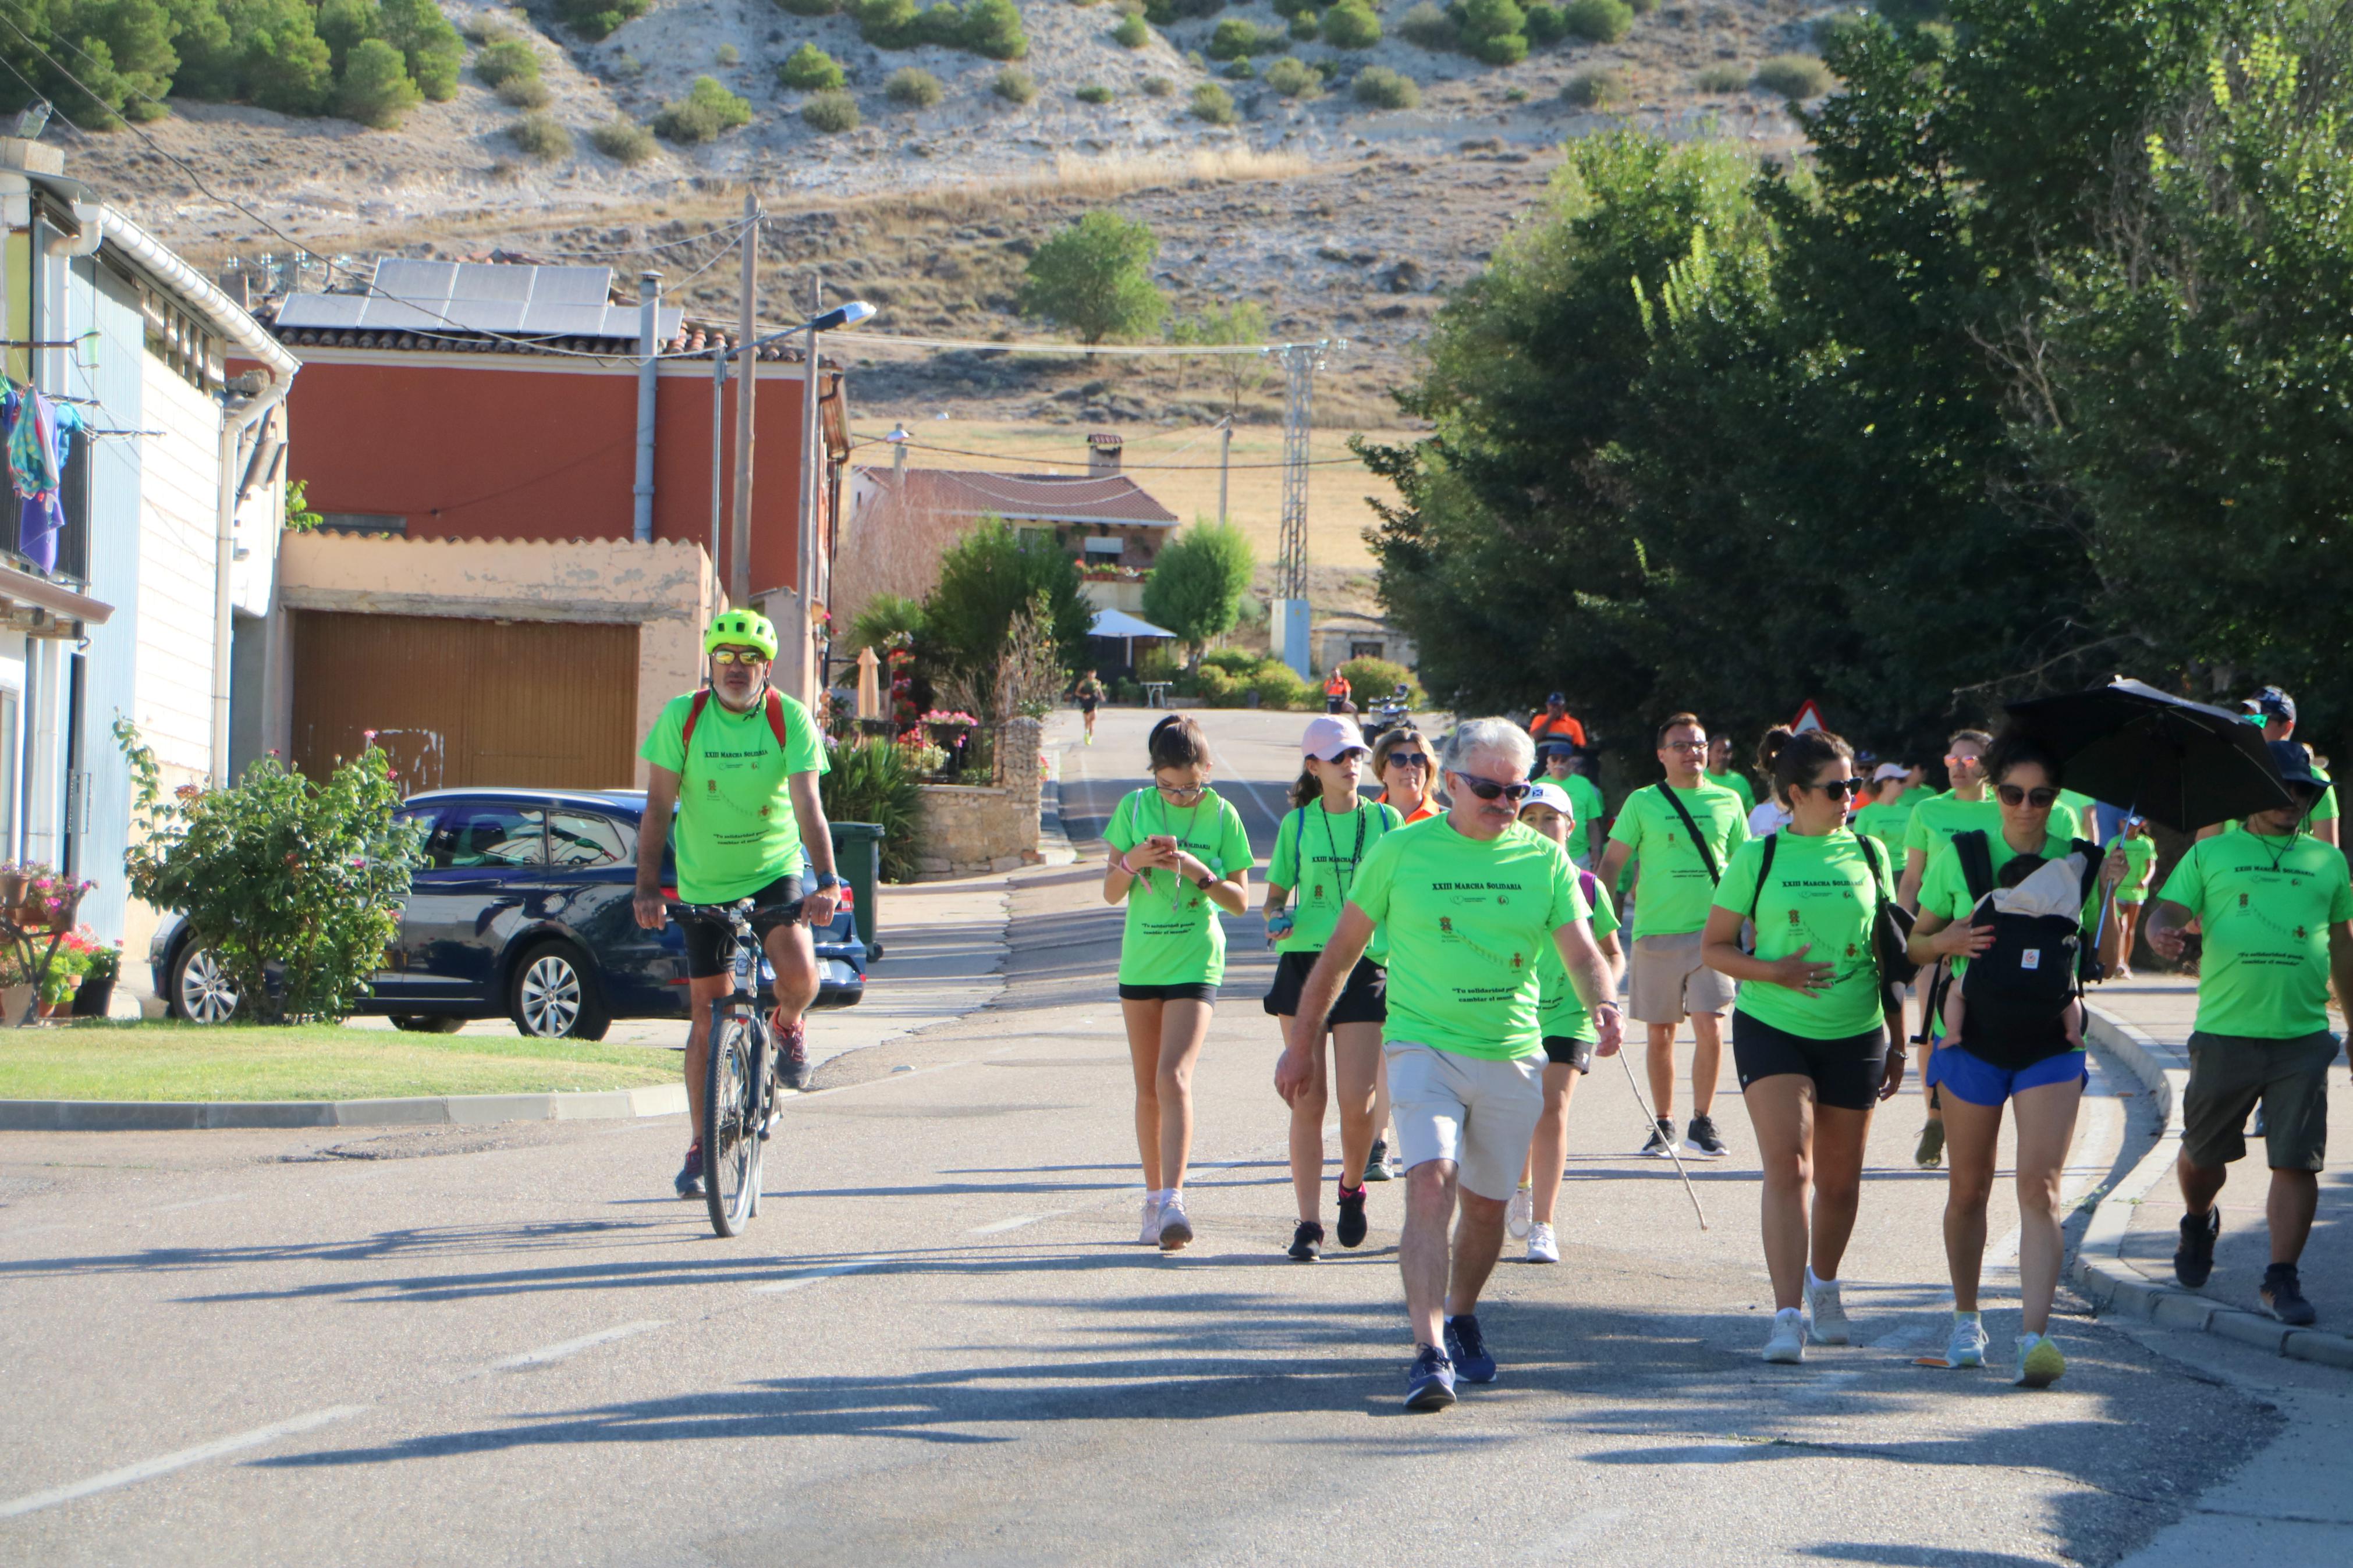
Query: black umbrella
<point>2173,761</point>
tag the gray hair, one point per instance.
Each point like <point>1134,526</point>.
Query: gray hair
<point>1498,738</point>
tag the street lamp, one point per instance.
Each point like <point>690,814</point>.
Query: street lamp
<point>847,314</point>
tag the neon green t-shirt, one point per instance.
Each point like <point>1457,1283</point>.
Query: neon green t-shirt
<point>1818,896</point>
<point>735,831</point>
<point>1945,888</point>
<point>2140,861</point>
<point>1674,892</point>
<point>2265,905</point>
<point>1737,782</point>
<point>1935,819</point>
<point>1172,935</point>
<point>1584,799</point>
<point>1887,823</point>
<point>1560,1014</point>
<point>1318,870</point>
<point>1466,920</point>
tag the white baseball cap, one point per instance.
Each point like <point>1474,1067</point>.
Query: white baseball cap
<point>1544,792</point>
<point>1886,771</point>
<point>1331,736</point>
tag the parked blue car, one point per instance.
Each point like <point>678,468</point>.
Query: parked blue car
<point>522,909</point>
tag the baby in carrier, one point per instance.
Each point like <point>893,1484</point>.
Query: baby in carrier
<point>1957,1007</point>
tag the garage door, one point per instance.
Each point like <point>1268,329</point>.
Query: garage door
<point>542,704</point>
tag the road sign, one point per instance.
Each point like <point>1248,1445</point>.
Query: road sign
<point>1809,717</point>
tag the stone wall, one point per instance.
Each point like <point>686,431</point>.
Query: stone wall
<point>970,829</point>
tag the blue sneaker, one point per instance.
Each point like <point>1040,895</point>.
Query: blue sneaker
<point>690,1176</point>
<point>1467,1348</point>
<point>1430,1384</point>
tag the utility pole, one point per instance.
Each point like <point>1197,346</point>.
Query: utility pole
<point>641,523</point>
<point>1299,362</point>
<point>718,451</point>
<point>1225,463</point>
<point>739,565</point>
<point>812,464</point>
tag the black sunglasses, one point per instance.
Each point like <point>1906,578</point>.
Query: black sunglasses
<point>1838,789</point>
<point>1488,789</point>
<point>1407,760</point>
<point>2040,799</point>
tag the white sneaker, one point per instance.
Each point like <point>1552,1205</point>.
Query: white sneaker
<point>1788,1340</point>
<point>1176,1230</point>
<point>1150,1234</point>
<point>1968,1344</point>
<point>1542,1247</point>
<point>1829,1318</point>
<point>1522,1213</point>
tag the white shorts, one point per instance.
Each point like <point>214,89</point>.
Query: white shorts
<point>1665,980</point>
<point>1478,1113</point>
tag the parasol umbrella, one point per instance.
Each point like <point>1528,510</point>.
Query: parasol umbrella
<point>2176,761</point>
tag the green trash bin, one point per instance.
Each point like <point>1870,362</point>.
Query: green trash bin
<point>858,860</point>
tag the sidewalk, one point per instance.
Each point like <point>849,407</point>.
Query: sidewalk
<point>2126,1254</point>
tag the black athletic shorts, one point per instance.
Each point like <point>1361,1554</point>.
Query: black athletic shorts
<point>1086,704</point>
<point>1565,1052</point>
<point>1364,999</point>
<point>778,904</point>
<point>1846,1073</point>
<point>1193,993</point>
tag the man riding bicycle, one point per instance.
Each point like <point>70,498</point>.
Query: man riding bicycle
<point>740,763</point>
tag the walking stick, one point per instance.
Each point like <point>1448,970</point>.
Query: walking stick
<point>1649,1120</point>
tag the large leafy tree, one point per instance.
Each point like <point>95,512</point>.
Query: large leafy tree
<point>989,576</point>
<point>1197,586</point>
<point>1094,279</point>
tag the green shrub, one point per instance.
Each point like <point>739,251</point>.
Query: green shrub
<point>1795,77</point>
<point>1372,678</point>
<point>1546,25</point>
<point>1725,76</point>
<point>883,618</point>
<point>831,111</point>
<point>343,24</point>
<point>1236,39</point>
<point>1305,29</point>
<point>911,88</point>
<point>1378,87</point>
<point>1132,33</point>
<point>811,7</point>
<point>524,92</point>
<point>941,24</point>
<point>1163,12</point>
<point>1213,103</point>
<point>885,23</point>
<point>1428,28</point>
<point>376,90</point>
<point>541,138</point>
<point>1277,688</point>
<point>1218,688</point>
<point>1494,31</point>
<point>1294,9</point>
<point>871,782</point>
<point>1294,79</point>
<point>1015,85</point>
<point>1094,92</point>
<point>1599,21</point>
<point>809,69</point>
<point>1601,87</point>
<point>506,62</point>
<point>1351,24</point>
<point>623,140</point>
<point>1239,70</point>
<point>429,45</point>
<point>599,18</point>
<point>1232,660</point>
<point>1158,86</point>
<point>727,54</point>
<point>992,30</point>
<point>705,114</point>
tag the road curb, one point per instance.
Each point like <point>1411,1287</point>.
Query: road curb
<point>1054,846</point>
<point>447,1109</point>
<point>2112,1284</point>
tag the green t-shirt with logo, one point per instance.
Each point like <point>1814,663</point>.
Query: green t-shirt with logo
<point>1584,799</point>
<point>1818,895</point>
<point>1945,888</point>
<point>1315,857</point>
<point>1172,935</point>
<point>1467,918</point>
<point>1560,1014</point>
<point>735,831</point>
<point>1737,782</point>
<point>2140,860</point>
<point>1674,891</point>
<point>2265,905</point>
<point>1887,823</point>
<point>1935,819</point>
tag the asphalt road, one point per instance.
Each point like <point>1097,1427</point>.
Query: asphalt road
<point>941,1340</point>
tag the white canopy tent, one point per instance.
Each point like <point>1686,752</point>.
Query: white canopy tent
<point>1126,628</point>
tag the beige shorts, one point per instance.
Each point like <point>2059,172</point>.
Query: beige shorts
<point>1478,1113</point>
<point>1665,980</point>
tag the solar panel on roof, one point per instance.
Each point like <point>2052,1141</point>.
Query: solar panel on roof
<point>481,297</point>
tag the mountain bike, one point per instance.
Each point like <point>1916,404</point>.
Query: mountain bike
<point>740,1091</point>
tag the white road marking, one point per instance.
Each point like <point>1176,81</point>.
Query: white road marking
<point>1015,1222</point>
<point>547,1354</point>
<point>148,1470</point>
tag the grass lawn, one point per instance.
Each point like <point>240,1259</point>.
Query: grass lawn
<point>305,1061</point>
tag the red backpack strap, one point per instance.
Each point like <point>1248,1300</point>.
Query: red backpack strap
<point>686,731</point>
<point>776,719</point>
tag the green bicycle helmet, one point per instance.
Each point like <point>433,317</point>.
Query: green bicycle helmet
<point>742,627</point>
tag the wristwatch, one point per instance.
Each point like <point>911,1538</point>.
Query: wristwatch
<point>1206,881</point>
<point>827,882</point>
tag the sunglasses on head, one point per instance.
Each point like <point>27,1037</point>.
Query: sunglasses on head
<point>1488,789</point>
<point>2038,799</point>
<point>1838,789</point>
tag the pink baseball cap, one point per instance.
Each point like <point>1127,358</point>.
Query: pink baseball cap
<point>1331,736</point>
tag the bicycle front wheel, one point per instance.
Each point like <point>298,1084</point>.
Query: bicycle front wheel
<point>731,1120</point>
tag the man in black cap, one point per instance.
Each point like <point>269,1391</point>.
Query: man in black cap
<point>1557,723</point>
<point>2276,709</point>
<point>2275,907</point>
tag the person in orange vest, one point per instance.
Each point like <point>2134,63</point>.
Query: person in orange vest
<point>1557,723</point>
<point>1335,692</point>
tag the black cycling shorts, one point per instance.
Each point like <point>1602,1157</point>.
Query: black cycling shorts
<point>1846,1073</point>
<point>1364,999</point>
<point>778,904</point>
<point>1560,1051</point>
<point>1193,992</point>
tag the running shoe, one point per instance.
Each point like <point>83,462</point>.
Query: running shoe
<point>1377,1168</point>
<point>1352,1217</point>
<point>1702,1138</point>
<point>1968,1346</point>
<point>1176,1230</point>
<point>1788,1342</point>
<point>1663,1139</point>
<point>1542,1247</point>
<point>1429,1384</point>
<point>1150,1234</point>
<point>1521,1214</point>
<point>690,1176</point>
<point>1466,1347</point>
<point>1931,1152</point>
<point>2283,1295</point>
<point>2039,1364</point>
<point>1307,1242</point>
<point>1827,1314</point>
<point>2193,1256</point>
<point>792,1052</point>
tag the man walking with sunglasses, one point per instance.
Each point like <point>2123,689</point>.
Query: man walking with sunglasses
<point>1681,835</point>
<point>1467,901</point>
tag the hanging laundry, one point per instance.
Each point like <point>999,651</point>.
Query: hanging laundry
<point>40,440</point>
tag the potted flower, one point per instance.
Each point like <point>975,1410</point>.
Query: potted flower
<point>67,965</point>
<point>103,967</point>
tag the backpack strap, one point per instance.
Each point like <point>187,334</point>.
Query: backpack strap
<point>1764,870</point>
<point>1590,888</point>
<point>775,709</point>
<point>1707,856</point>
<point>1976,862</point>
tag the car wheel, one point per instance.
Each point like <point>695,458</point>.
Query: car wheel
<point>201,991</point>
<point>429,1023</point>
<point>554,995</point>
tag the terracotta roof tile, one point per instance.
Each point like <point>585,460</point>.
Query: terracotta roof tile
<point>1104,499</point>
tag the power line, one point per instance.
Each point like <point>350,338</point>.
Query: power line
<point>886,340</point>
<point>1156,468</point>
